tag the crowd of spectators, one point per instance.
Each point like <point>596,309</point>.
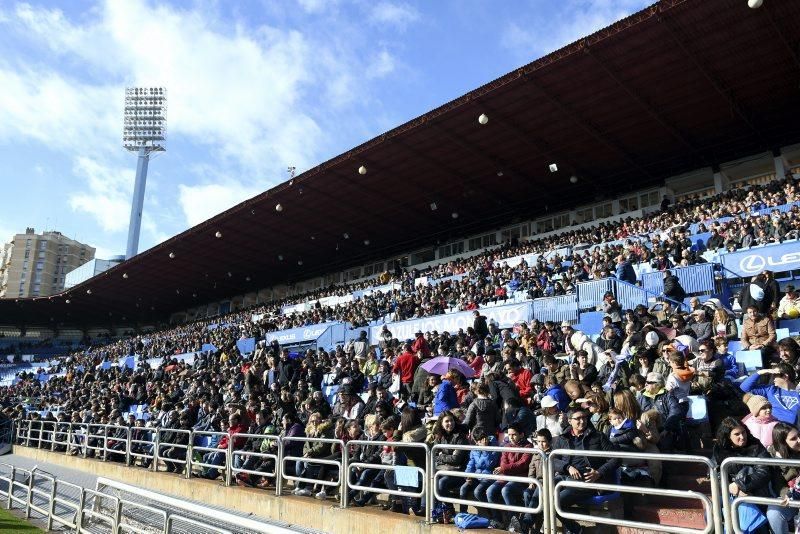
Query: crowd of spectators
<point>540,386</point>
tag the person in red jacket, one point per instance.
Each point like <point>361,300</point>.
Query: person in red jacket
<point>513,464</point>
<point>421,344</point>
<point>405,365</point>
<point>521,377</point>
<point>218,458</point>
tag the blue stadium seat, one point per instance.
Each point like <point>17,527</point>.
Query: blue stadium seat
<point>698,409</point>
<point>750,358</point>
<point>734,346</point>
<point>793,325</point>
<point>781,333</point>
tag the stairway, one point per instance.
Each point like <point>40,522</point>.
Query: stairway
<point>673,511</point>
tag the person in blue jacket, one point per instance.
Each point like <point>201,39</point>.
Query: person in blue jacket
<point>481,462</point>
<point>445,398</point>
<point>625,270</point>
<point>555,390</point>
<point>780,393</point>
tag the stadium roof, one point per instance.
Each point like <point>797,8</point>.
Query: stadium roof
<point>681,85</point>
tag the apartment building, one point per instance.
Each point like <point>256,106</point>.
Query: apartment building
<point>35,265</point>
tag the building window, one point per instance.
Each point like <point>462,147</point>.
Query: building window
<point>603,211</point>
<point>27,254</point>
<point>42,245</point>
<point>39,265</point>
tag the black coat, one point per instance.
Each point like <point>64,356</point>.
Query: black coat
<point>591,440</point>
<point>751,479</point>
<point>673,289</point>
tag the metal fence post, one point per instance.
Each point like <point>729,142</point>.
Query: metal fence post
<point>11,486</point>
<point>189,456</point>
<point>52,509</point>
<point>30,496</point>
<point>156,445</point>
<point>430,480</point>
<point>69,444</point>
<point>279,470</point>
<point>344,476</point>
<point>229,459</point>
<point>128,447</point>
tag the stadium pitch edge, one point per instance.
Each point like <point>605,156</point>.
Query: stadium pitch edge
<point>309,513</point>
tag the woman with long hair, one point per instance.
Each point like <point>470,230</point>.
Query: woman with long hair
<point>724,325</point>
<point>786,446</point>
<point>448,431</point>
<point>735,440</point>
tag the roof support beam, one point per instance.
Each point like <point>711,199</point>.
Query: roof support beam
<point>538,144</point>
<point>782,37</point>
<point>701,159</point>
<point>495,162</point>
<point>724,92</point>
<point>588,128</point>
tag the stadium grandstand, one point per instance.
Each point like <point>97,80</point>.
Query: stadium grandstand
<point>563,302</point>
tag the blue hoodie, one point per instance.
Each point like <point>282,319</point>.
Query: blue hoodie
<point>561,397</point>
<point>483,462</point>
<point>785,403</point>
<point>445,398</point>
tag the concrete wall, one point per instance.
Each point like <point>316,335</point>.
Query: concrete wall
<point>302,511</point>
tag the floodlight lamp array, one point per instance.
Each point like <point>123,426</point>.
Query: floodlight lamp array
<point>145,122</point>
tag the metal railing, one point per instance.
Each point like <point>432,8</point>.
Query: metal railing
<point>94,511</point>
<point>711,506</point>
<point>351,466</point>
<point>730,507</point>
<point>22,490</point>
<point>125,524</point>
<point>341,465</point>
<point>543,488</point>
<point>234,454</point>
<point>202,449</point>
<point>162,445</point>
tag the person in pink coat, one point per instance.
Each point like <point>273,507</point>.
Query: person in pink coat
<point>760,420</point>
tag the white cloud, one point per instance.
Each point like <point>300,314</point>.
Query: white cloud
<point>249,100</point>
<point>570,21</point>
<point>108,199</point>
<point>203,201</point>
<point>382,64</point>
<point>316,6</point>
<point>399,15</point>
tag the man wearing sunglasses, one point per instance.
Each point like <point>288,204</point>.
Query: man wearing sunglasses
<point>582,436</point>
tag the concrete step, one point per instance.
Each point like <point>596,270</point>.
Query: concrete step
<point>669,512</point>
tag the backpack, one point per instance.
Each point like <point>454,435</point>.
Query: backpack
<point>465,521</point>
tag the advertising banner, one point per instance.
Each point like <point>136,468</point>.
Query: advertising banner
<point>776,258</point>
<point>298,335</point>
<point>504,316</point>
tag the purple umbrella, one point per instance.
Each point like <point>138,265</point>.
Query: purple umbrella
<point>441,364</point>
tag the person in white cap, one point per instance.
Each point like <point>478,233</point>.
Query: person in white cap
<point>550,418</point>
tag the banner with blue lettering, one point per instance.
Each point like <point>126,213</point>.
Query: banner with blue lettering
<point>298,335</point>
<point>777,258</point>
<point>504,316</point>
<point>247,345</point>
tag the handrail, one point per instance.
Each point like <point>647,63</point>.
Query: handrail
<point>386,467</point>
<point>123,526</point>
<point>159,444</point>
<point>713,510</point>
<point>660,297</point>
<point>224,467</point>
<point>728,507</point>
<point>342,464</point>
<point>233,453</point>
<point>543,491</point>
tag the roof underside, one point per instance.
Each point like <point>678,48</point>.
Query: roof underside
<point>681,85</point>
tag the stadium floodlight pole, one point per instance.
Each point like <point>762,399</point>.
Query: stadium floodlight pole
<point>144,132</point>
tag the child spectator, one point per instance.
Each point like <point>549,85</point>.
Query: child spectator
<point>623,431</point>
<point>759,421</point>
<point>680,377</point>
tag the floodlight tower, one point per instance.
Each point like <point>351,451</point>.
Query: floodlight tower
<point>144,132</point>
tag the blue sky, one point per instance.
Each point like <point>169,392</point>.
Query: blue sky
<point>254,86</point>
